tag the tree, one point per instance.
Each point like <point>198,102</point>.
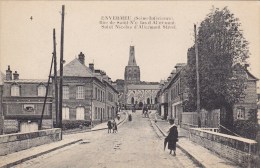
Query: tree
<point>223,52</point>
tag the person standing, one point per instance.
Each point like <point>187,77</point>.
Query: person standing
<point>172,137</point>
<point>109,126</point>
<point>114,125</point>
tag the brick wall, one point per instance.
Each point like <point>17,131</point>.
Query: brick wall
<point>16,142</point>
<point>237,149</point>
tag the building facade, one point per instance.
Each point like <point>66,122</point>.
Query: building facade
<point>1,100</point>
<point>88,94</point>
<point>242,109</point>
<point>23,102</point>
<point>137,93</point>
<point>172,94</point>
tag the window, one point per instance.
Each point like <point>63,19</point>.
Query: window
<point>65,92</point>
<point>41,90</point>
<point>96,116</point>
<point>96,93</point>
<point>15,90</point>
<point>240,113</point>
<point>65,113</point>
<point>80,92</point>
<point>80,113</point>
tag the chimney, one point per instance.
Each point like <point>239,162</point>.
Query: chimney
<point>246,66</point>
<point>16,75</point>
<point>91,67</point>
<point>82,58</point>
<point>8,74</point>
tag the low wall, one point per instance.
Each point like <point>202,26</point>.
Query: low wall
<point>10,143</point>
<point>237,149</point>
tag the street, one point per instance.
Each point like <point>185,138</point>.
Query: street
<point>135,145</point>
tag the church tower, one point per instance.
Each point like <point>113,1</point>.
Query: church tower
<point>132,71</point>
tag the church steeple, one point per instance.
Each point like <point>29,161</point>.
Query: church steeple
<point>132,61</point>
<point>132,71</point>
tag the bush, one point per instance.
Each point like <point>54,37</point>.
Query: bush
<point>72,124</point>
<point>246,128</point>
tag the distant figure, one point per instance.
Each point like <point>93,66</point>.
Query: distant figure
<point>109,126</point>
<point>118,116</point>
<point>172,137</point>
<point>114,126</point>
<point>129,117</point>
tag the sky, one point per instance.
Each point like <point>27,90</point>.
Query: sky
<point>27,45</point>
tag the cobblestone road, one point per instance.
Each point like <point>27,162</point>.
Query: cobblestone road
<point>136,145</point>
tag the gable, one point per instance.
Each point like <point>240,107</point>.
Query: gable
<point>76,69</point>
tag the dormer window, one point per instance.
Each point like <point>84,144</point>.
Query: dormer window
<point>41,90</point>
<point>15,90</point>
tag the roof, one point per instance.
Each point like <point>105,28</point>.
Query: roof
<point>180,64</point>
<point>75,68</point>
<point>143,87</point>
<point>27,81</point>
<point>251,76</point>
<point>1,78</point>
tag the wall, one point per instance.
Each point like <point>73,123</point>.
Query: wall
<point>237,149</point>
<point>208,119</point>
<point>19,141</point>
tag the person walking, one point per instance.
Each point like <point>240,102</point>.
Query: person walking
<point>172,137</point>
<point>109,126</point>
<point>114,126</point>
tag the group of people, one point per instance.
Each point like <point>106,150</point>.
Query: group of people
<point>112,125</point>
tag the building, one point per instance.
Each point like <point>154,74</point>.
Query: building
<point>23,101</point>
<point>172,94</point>
<point>88,94</point>
<point>136,93</point>
<point>1,106</point>
<point>249,101</point>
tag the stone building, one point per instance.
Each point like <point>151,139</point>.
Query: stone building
<point>136,93</point>
<point>88,94</point>
<point>173,93</point>
<point>23,101</point>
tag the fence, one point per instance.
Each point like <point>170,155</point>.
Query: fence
<point>209,119</point>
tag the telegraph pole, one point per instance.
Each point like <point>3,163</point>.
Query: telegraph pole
<point>55,79</point>
<point>61,66</point>
<point>197,76</point>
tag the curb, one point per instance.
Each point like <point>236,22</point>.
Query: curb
<point>196,161</point>
<point>118,124</point>
<point>38,154</point>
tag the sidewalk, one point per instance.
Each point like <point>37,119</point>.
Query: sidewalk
<point>103,125</point>
<point>69,139</point>
<point>24,155</point>
<point>202,156</point>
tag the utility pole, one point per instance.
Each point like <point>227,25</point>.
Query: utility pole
<point>197,76</point>
<point>55,79</point>
<point>61,67</point>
